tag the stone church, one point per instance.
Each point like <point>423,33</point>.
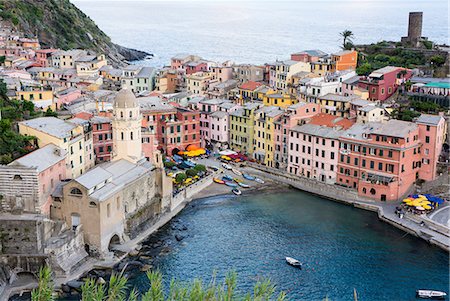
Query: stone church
<point>112,202</point>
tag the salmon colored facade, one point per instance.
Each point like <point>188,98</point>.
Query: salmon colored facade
<point>380,160</point>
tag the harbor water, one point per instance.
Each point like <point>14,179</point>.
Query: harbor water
<point>341,247</point>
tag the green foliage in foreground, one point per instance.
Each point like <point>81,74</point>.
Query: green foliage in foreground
<point>119,290</point>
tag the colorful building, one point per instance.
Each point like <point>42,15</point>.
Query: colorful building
<point>380,160</point>
<point>293,115</point>
<point>335,104</point>
<point>198,83</point>
<point>308,56</point>
<point>102,138</point>
<point>242,124</point>
<point>314,147</point>
<point>383,83</point>
<point>279,99</point>
<point>345,60</point>
<point>68,136</point>
<point>432,134</point>
<point>264,134</point>
<point>26,184</point>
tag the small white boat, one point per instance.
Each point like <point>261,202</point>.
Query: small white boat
<point>236,191</point>
<point>243,185</point>
<point>226,166</point>
<point>260,181</point>
<point>294,262</point>
<point>236,172</point>
<point>430,294</point>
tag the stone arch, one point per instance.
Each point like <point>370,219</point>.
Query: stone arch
<point>113,241</point>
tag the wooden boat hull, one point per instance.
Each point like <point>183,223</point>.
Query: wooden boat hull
<point>218,181</point>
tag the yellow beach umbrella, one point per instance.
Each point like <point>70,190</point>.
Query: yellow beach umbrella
<point>428,207</point>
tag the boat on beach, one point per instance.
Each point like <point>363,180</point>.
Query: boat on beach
<point>260,181</point>
<point>237,172</point>
<point>227,178</point>
<point>294,262</point>
<point>231,184</point>
<point>431,294</point>
<point>218,181</point>
<point>243,185</point>
<point>248,177</point>
<point>236,191</point>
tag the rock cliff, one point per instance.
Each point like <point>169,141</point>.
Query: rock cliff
<point>60,24</point>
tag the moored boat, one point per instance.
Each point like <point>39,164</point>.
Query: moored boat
<point>236,172</point>
<point>430,294</point>
<point>231,184</point>
<point>218,181</point>
<point>237,180</point>
<point>236,191</point>
<point>227,178</point>
<point>242,184</point>
<point>260,181</point>
<point>248,177</point>
<point>293,262</point>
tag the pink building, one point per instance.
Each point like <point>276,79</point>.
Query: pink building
<point>67,96</point>
<point>308,56</point>
<point>195,66</point>
<point>220,124</point>
<point>432,131</point>
<point>380,160</point>
<point>207,108</point>
<point>293,116</point>
<point>383,83</point>
<point>222,73</point>
<point>43,57</point>
<point>314,147</point>
<point>102,138</point>
<point>34,177</point>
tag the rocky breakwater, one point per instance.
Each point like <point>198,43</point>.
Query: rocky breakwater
<point>140,260</point>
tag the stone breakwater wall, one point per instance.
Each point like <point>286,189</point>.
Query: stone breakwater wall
<point>187,194</point>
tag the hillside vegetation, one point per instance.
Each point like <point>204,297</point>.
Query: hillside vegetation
<point>60,24</point>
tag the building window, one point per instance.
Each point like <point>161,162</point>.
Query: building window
<point>76,191</point>
<point>108,210</point>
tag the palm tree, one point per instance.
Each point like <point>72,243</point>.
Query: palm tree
<point>119,290</point>
<point>347,35</point>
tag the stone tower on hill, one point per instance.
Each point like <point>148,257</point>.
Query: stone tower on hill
<point>126,127</point>
<point>414,37</point>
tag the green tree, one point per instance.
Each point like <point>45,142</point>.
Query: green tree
<point>180,177</point>
<point>364,69</point>
<point>44,292</point>
<point>200,167</point>
<point>169,164</point>
<point>346,35</point>
<point>119,290</point>
<point>12,144</point>
<point>50,113</point>
<point>437,60</point>
<point>191,172</point>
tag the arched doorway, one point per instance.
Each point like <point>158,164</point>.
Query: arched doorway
<point>113,242</point>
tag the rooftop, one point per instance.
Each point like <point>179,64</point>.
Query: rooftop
<point>313,52</point>
<point>115,175</point>
<point>51,126</point>
<point>329,120</point>
<point>250,85</point>
<point>384,70</point>
<point>42,158</point>
<point>154,103</point>
<point>429,119</point>
<point>337,97</point>
<point>318,130</point>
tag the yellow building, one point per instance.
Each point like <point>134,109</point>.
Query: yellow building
<point>279,99</point>
<point>41,99</point>
<point>198,83</point>
<point>323,67</point>
<point>66,58</point>
<point>264,134</point>
<point>69,136</point>
<point>242,127</point>
<point>337,105</point>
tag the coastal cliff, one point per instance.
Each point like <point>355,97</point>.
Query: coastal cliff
<point>60,24</point>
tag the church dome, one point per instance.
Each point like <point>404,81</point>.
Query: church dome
<point>125,99</point>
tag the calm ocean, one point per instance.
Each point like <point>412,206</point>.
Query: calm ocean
<point>258,31</point>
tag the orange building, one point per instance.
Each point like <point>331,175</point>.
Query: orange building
<point>344,60</point>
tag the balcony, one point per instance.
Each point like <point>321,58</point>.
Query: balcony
<point>378,179</point>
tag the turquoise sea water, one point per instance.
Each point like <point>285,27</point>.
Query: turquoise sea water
<point>258,31</point>
<point>342,248</point>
